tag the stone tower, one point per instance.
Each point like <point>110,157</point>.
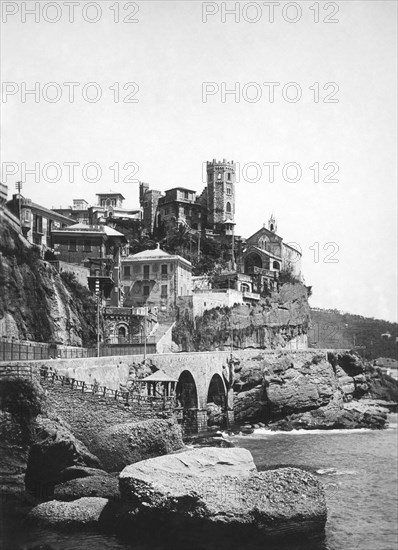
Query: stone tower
<point>220,193</point>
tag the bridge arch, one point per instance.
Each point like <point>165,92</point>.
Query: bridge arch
<point>186,391</point>
<point>217,393</point>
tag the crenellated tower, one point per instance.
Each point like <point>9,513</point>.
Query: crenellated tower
<point>221,179</point>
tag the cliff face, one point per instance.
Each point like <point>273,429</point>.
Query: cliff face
<point>35,302</point>
<point>311,390</point>
<point>271,323</point>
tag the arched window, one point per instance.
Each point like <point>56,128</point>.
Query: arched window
<point>122,332</point>
<point>108,202</point>
<point>219,176</point>
<point>276,265</point>
<point>229,209</point>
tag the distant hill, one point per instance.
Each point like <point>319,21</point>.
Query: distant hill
<point>332,328</point>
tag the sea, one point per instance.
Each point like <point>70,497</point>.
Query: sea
<point>358,468</point>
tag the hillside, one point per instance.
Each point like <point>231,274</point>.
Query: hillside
<point>332,328</point>
<point>36,303</point>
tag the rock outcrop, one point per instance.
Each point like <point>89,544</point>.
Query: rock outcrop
<point>271,323</point>
<point>36,303</point>
<point>123,444</point>
<point>55,448</point>
<point>311,390</point>
<point>220,489</point>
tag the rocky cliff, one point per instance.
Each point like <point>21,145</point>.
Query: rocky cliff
<point>312,390</point>
<point>271,323</point>
<point>36,303</point>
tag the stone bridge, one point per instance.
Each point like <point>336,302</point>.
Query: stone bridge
<point>202,377</point>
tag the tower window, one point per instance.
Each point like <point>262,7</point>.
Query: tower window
<point>229,209</point>
<point>219,176</point>
<point>229,176</point>
<point>229,190</point>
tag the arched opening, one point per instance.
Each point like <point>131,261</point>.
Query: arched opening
<point>245,287</point>
<point>186,393</point>
<point>216,402</point>
<point>276,265</point>
<point>121,332</point>
<point>229,208</point>
<point>253,260</point>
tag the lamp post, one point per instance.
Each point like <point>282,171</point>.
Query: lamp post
<point>18,187</point>
<point>97,292</point>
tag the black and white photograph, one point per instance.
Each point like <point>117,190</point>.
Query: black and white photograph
<point>198,275</point>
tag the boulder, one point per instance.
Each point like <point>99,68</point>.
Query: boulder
<point>123,444</point>
<point>220,488</point>
<point>55,448</point>
<point>75,472</point>
<point>81,512</point>
<point>215,415</point>
<point>104,486</point>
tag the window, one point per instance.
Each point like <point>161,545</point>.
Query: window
<point>146,271</point>
<point>122,332</point>
<point>146,290</point>
<point>146,204</point>
<point>126,271</point>
<point>87,245</point>
<point>186,195</point>
<point>163,291</point>
<point>229,209</point>
<point>72,246</point>
<point>229,176</point>
<point>164,269</point>
<point>37,224</point>
<point>219,176</point>
<point>229,190</point>
<point>27,215</point>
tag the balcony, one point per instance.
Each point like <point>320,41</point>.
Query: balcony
<point>264,272</point>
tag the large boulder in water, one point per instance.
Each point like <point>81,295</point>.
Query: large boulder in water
<point>123,444</point>
<point>217,489</point>
<point>81,512</point>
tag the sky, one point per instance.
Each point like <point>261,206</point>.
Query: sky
<point>159,108</point>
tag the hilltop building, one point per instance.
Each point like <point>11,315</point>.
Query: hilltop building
<point>37,222</point>
<point>109,208</point>
<point>97,247</point>
<point>212,211</point>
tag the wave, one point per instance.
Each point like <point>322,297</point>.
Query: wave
<point>260,432</point>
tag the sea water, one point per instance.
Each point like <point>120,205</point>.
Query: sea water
<point>358,468</point>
